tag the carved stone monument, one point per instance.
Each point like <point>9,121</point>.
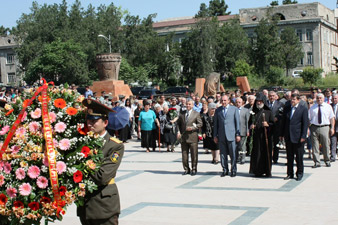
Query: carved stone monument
<point>243,84</point>
<point>108,67</point>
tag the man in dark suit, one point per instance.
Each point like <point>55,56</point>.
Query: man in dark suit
<point>189,124</point>
<point>295,125</point>
<point>334,137</point>
<point>244,116</point>
<point>103,205</point>
<point>276,108</point>
<point>227,133</point>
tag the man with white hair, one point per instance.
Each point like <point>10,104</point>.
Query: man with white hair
<point>322,122</point>
<point>189,122</point>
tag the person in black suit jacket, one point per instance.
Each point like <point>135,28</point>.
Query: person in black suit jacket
<point>276,108</point>
<point>294,129</point>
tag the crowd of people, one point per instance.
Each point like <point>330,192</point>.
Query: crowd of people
<point>237,125</point>
<point>232,125</point>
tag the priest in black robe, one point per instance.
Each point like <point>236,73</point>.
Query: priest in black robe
<point>261,119</point>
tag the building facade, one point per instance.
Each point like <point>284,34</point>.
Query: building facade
<point>9,64</point>
<point>315,25</point>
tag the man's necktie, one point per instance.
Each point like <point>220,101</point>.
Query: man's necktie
<point>187,116</point>
<point>319,115</point>
<point>225,111</point>
<point>292,112</point>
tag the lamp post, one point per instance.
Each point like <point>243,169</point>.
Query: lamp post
<point>107,39</point>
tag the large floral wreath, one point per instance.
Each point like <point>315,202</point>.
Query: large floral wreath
<point>26,192</point>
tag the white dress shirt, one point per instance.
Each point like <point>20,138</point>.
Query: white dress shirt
<point>326,111</point>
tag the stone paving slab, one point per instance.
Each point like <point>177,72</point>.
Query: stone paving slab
<point>153,191</point>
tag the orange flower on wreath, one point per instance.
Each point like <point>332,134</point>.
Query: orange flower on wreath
<point>40,98</point>
<point>25,103</point>
<point>60,103</point>
<point>71,111</point>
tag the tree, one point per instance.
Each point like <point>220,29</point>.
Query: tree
<point>287,2</point>
<point>242,68</point>
<point>274,75</point>
<point>290,49</point>
<point>4,31</point>
<point>311,75</point>
<point>60,62</point>
<point>48,23</point>
<point>274,3</point>
<point>198,50</point>
<point>216,8</point>
<point>265,47</point>
<point>232,45</point>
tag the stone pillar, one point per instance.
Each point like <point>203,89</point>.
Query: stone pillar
<point>108,66</point>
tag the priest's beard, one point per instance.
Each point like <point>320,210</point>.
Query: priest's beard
<point>260,106</point>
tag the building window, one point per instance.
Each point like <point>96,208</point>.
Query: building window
<point>11,78</point>
<point>309,35</point>
<point>301,61</point>
<point>300,34</point>
<point>309,58</point>
<point>10,58</point>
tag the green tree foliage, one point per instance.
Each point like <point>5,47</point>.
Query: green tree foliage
<point>60,62</point>
<point>311,75</point>
<point>290,49</point>
<point>198,50</point>
<point>48,23</point>
<point>287,2</point>
<point>242,68</point>
<point>274,3</point>
<point>274,75</point>
<point>4,31</point>
<point>138,38</point>
<point>216,8</point>
<point>132,74</point>
<point>265,48</point>
<point>232,45</point>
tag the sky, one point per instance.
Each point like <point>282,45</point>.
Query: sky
<point>11,11</point>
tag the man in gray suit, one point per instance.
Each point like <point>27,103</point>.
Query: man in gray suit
<point>334,137</point>
<point>244,116</point>
<point>227,133</point>
<point>189,122</point>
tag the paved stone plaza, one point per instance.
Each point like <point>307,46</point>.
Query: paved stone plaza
<point>153,192</point>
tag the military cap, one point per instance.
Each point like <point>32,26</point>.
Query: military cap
<point>96,110</point>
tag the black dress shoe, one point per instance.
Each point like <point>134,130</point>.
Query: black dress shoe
<point>299,178</point>
<point>233,174</point>
<point>316,166</point>
<point>224,173</point>
<point>193,173</point>
<point>186,172</point>
<point>288,177</point>
<point>242,163</point>
<point>328,164</point>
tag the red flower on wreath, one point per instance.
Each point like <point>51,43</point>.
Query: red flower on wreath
<point>45,200</point>
<point>85,150</point>
<point>34,206</point>
<point>60,103</point>
<point>3,199</point>
<point>62,190</point>
<point>18,204</point>
<point>77,177</point>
